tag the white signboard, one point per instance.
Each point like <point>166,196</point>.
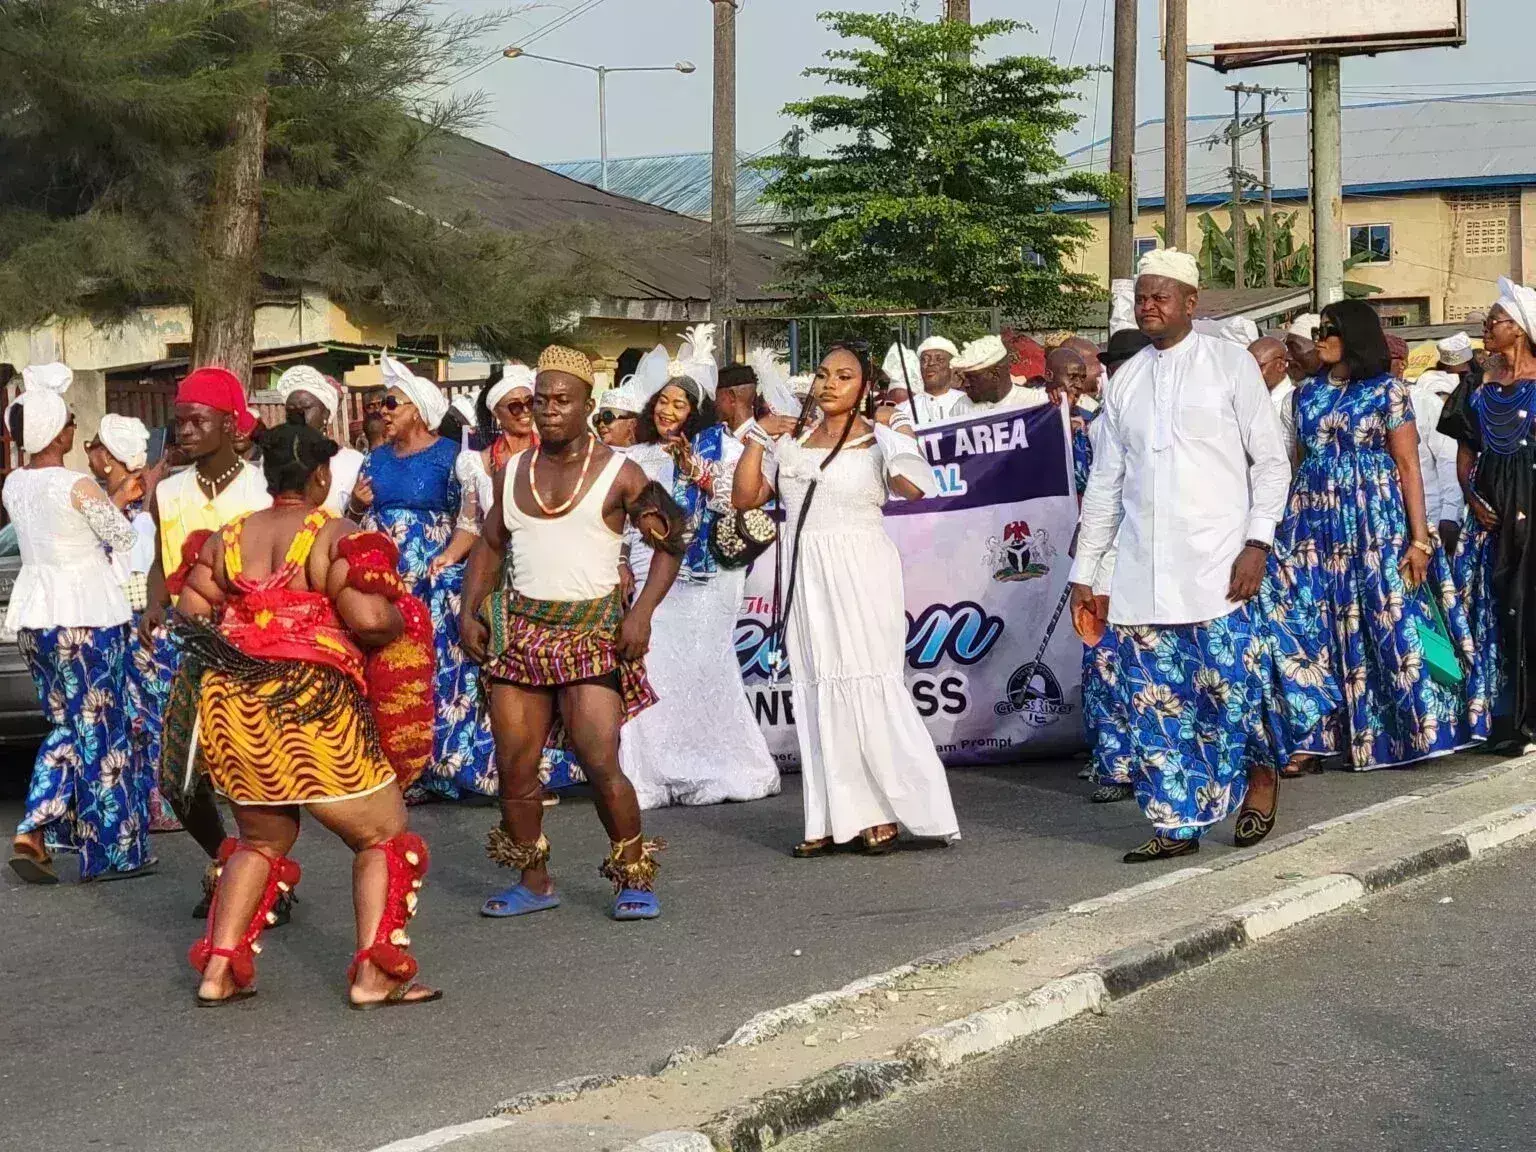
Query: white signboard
<point>1225,28</point>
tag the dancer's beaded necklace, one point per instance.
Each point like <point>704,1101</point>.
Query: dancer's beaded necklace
<point>1508,416</point>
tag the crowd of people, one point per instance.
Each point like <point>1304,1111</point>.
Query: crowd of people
<point>1286,553</point>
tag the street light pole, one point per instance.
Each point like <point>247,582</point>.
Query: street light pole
<point>602,122</point>
<point>684,66</point>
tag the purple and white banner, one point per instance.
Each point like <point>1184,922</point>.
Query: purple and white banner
<point>992,662</point>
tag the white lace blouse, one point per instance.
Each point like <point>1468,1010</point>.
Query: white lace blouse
<point>62,519</point>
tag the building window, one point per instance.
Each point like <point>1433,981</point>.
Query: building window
<point>1375,240</point>
<point>1483,201</point>
<point>1487,237</point>
<point>1145,244</point>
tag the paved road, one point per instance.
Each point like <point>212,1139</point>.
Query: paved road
<point>1403,1025</point>
<point>101,1046</point>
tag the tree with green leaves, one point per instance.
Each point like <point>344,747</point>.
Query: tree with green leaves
<point>939,176</point>
<point>1292,257</point>
<point>214,153</point>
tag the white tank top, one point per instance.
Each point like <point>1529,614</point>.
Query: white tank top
<point>572,557</point>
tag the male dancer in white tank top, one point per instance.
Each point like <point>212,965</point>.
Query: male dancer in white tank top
<point>574,654</point>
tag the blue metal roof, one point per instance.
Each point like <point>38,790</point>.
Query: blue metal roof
<point>1476,141</point>
<point>680,182</point>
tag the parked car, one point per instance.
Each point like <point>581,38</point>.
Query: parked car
<point>21,719</point>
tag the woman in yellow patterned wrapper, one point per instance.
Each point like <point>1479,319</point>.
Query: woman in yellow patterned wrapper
<point>285,724</point>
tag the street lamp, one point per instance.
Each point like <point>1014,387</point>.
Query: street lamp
<point>683,66</point>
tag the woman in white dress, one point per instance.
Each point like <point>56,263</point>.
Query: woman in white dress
<point>701,743</point>
<point>70,618</point>
<point>868,767</point>
<point>310,397</point>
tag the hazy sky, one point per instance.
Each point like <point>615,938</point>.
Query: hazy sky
<point>545,112</point>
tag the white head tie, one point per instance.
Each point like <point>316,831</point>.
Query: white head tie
<point>624,398</point>
<point>426,395</point>
<point>1520,302</point>
<point>1173,264</point>
<point>514,378</point>
<point>938,344</point>
<point>126,438</point>
<point>310,381</point>
<point>42,402</point>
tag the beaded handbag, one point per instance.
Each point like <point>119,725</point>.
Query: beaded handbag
<point>737,540</point>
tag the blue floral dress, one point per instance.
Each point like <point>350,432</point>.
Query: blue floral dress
<point>1496,568</point>
<point>1338,551</point>
<point>416,500</point>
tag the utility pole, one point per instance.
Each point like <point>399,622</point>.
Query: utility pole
<point>1241,179</point>
<point>1239,212</point>
<point>1122,145</point>
<point>1175,129</point>
<point>1269,192</point>
<point>722,216</point>
<point>1327,183</point>
<point>957,10</point>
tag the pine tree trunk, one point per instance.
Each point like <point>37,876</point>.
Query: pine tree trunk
<point>224,300</point>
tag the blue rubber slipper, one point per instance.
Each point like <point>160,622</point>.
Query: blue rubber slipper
<point>518,901</point>
<point>633,904</point>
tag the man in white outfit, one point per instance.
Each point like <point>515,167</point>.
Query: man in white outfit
<point>942,397</point>
<point>984,364</point>
<point>1269,354</point>
<point>1190,470</point>
<point>1437,452</point>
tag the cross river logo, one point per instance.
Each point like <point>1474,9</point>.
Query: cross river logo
<point>1021,554</point>
<point>1034,694</point>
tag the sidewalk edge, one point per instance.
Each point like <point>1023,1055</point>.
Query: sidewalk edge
<point>763,1121</point>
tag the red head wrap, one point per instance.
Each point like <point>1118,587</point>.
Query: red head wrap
<point>1028,362</point>
<point>221,390</point>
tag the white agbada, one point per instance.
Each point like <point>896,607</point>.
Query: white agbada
<point>1019,396</point>
<point>1189,464</point>
<point>1283,397</point>
<point>1437,451</point>
<point>700,743</point>
<point>931,409</point>
<point>865,757</point>
<point>345,467</point>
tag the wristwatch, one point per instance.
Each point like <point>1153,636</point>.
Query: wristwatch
<point>1424,546</point>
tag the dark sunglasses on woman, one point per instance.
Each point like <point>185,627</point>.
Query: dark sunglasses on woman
<point>392,403</point>
<point>604,419</point>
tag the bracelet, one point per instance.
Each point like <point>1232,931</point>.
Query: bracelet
<point>753,431</point>
<point>1259,544</point>
<point>900,420</point>
<point>1424,546</point>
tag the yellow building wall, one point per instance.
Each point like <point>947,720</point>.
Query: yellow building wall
<point>1438,253</point>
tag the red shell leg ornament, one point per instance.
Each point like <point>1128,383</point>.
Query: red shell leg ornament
<point>406,860</point>
<point>282,875</point>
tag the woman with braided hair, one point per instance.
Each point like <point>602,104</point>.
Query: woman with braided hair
<point>276,616</point>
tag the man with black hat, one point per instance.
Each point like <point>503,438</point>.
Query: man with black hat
<point>736,397</point>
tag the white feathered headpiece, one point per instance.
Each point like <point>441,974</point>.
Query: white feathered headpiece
<point>912,377</point>
<point>696,359</point>
<point>773,382</point>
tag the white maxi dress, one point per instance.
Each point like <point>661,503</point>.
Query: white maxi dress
<point>865,757</point>
<point>700,744</point>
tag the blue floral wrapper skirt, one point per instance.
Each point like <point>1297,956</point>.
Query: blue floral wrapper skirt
<point>89,794</point>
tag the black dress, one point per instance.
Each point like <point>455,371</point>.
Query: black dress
<point>1495,570</point>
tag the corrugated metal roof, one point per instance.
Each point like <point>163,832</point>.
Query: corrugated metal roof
<point>669,259</point>
<point>680,181</point>
<point>1469,142</point>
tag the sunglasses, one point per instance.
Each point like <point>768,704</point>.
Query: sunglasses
<point>1325,332</point>
<point>606,418</point>
<point>393,403</point>
<point>519,407</point>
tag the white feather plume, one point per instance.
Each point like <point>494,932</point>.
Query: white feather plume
<point>773,382</point>
<point>651,373</point>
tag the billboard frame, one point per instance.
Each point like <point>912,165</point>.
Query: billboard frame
<point>1224,57</point>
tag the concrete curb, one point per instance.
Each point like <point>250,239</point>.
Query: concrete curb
<point>759,1123</point>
